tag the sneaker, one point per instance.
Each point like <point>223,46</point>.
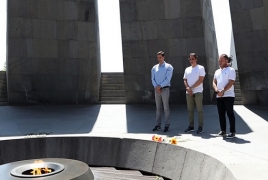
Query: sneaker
<point>230,135</point>
<point>157,128</point>
<point>189,129</point>
<point>222,133</point>
<point>166,129</point>
<point>199,130</point>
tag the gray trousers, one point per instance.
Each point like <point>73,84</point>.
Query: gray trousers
<point>198,101</point>
<point>160,100</point>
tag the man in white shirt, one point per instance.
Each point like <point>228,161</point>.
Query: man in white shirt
<point>223,85</point>
<point>193,80</point>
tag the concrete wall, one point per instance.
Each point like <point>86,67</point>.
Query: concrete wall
<point>52,55</point>
<point>178,164</point>
<point>250,26</point>
<point>176,27</point>
<point>211,48</point>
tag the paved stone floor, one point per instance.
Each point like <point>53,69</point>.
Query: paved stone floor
<point>246,155</point>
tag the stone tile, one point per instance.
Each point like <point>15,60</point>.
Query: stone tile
<point>44,48</point>
<point>20,27</point>
<point>259,23</point>
<point>155,46</point>
<point>177,47</point>
<point>146,10</point>
<point>196,45</point>
<point>172,9</point>
<point>128,11</point>
<point>192,27</point>
<point>73,49</point>
<point>67,66</point>
<point>48,9</point>
<point>135,49</point>
<point>67,10</point>
<point>190,8</point>
<point>44,29</point>
<point>17,47</point>
<point>135,82</point>
<point>67,30</point>
<point>63,48</point>
<point>86,31</point>
<point>170,29</point>
<point>149,30</point>
<point>86,11</point>
<point>131,31</point>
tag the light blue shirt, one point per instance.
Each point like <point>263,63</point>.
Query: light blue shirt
<point>162,74</point>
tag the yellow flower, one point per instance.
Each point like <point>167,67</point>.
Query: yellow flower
<point>173,141</point>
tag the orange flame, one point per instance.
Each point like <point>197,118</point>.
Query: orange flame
<point>39,171</point>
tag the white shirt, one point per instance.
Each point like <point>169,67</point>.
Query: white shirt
<point>223,76</point>
<point>192,74</point>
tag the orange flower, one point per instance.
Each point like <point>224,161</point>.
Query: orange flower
<point>153,137</point>
<point>160,139</point>
<point>173,141</point>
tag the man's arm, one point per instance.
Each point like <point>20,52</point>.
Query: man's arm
<point>168,77</point>
<point>152,78</point>
<point>229,85</point>
<point>199,81</point>
<point>188,89</point>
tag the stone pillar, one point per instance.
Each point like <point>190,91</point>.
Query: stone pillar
<point>250,26</point>
<point>177,27</point>
<point>52,55</point>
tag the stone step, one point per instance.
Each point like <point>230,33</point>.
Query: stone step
<point>238,94</point>
<point>238,98</point>
<point>237,91</point>
<point>112,93</point>
<point>238,103</point>
<point>3,95</point>
<point>112,98</point>
<point>112,75</point>
<point>3,99</point>
<point>3,86</point>
<point>113,175</point>
<point>112,102</point>
<point>129,172</point>
<point>111,87</point>
<point>112,81</point>
<point>3,82</point>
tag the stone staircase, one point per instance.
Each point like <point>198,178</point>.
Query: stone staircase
<point>238,96</point>
<point>112,88</point>
<point>108,173</point>
<point>3,88</point>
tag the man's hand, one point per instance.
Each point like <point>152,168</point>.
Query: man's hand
<point>220,93</point>
<point>190,91</point>
<point>158,89</point>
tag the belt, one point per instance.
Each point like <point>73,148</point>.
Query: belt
<point>165,87</point>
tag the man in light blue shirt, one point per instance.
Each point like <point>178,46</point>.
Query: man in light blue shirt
<point>161,76</point>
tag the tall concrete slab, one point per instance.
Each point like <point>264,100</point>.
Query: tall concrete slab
<point>52,52</point>
<point>177,27</point>
<point>250,26</point>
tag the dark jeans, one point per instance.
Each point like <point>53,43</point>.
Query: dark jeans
<point>226,104</point>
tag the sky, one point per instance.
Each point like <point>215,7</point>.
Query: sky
<point>110,33</point>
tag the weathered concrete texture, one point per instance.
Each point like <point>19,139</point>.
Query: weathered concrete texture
<point>52,52</point>
<point>211,49</point>
<point>174,162</point>
<point>250,26</point>
<point>176,27</point>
